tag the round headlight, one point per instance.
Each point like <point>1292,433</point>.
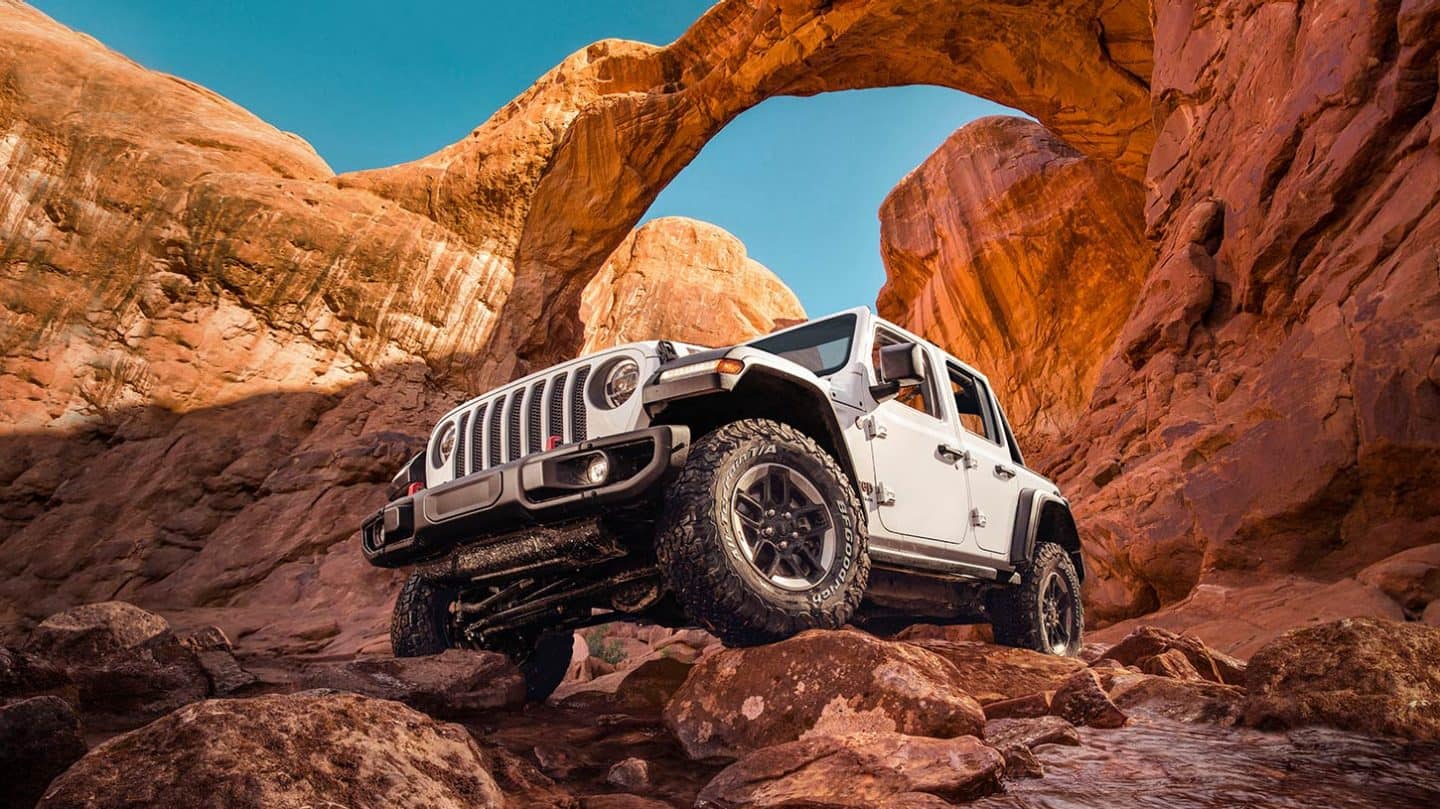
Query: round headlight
<point>445,444</point>
<point>621,382</point>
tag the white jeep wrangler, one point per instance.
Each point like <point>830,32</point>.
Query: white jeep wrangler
<point>839,471</point>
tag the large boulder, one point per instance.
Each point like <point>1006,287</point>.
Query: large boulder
<point>741,700</point>
<point>1361,674</point>
<point>455,682</point>
<point>858,770</point>
<point>284,752</point>
<point>39,738</point>
<point>124,663</point>
<point>92,631</point>
<point>1410,577</point>
<point>993,673</point>
<point>1147,647</point>
<point>1081,700</point>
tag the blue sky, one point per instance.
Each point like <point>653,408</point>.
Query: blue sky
<point>375,83</point>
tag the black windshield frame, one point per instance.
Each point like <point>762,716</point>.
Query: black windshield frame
<point>825,332</point>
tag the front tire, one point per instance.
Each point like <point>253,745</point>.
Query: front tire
<point>421,625</point>
<point>762,535</point>
<point>1043,612</point>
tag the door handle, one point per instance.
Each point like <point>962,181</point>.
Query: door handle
<point>953,454</point>
<point>1004,471</point>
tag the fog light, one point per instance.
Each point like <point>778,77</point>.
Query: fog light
<point>597,470</point>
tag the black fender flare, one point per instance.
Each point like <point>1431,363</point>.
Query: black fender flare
<point>760,392</point>
<point>1042,514</point>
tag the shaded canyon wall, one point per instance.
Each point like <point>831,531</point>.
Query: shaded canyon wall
<point>1267,405</point>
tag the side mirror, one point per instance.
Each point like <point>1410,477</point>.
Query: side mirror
<point>901,365</point>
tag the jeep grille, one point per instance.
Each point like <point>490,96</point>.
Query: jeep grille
<point>519,422</point>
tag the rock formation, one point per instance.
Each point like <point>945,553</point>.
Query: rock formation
<point>1376,677</point>
<point>1259,402</point>
<point>885,736</point>
<point>1021,256</point>
<point>1272,404</point>
<point>177,272</point>
<point>675,276</point>
<point>828,683</point>
<point>303,750</point>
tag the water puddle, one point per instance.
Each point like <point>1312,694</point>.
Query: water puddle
<point>1160,763</point>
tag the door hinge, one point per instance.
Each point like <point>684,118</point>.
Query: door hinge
<point>977,518</point>
<point>884,495</point>
<point>871,428</point>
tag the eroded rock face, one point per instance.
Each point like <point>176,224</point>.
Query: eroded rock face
<point>1365,675</point>
<point>1273,405</point>
<point>1241,620</point>
<point>1185,700</point>
<point>306,749</point>
<point>122,664</point>
<point>1021,256</point>
<point>818,682</point>
<point>674,276</point>
<point>178,271</point>
<point>860,770</point>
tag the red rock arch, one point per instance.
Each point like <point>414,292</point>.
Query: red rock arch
<point>559,176</point>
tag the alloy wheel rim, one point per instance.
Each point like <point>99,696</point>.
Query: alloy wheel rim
<point>1057,613</point>
<point>785,527</point>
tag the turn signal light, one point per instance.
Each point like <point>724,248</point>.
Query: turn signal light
<point>414,487</point>
<point>729,365</point>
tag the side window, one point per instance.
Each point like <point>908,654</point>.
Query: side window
<point>972,402</point>
<point>919,397</point>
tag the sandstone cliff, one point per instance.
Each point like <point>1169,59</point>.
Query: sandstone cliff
<point>212,358</point>
<point>176,272</point>
<point>1021,256</point>
<point>1272,404</point>
<point>1258,408</point>
<point>675,276</point>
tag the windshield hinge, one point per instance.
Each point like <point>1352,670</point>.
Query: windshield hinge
<point>871,428</point>
<point>884,495</point>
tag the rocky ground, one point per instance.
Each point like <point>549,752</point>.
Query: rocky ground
<point>122,711</point>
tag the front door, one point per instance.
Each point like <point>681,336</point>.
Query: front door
<point>919,491</point>
<point>994,489</point>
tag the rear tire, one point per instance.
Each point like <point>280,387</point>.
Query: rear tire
<point>421,626</point>
<point>762,535</point>
<point>1043,612</point>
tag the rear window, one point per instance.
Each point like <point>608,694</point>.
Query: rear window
<point>822,347</point>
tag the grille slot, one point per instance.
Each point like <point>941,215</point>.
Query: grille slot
<point>477,439</point>
<point>577,405</point>
<point>460,445</point>
<point>555,404</point>
<point>492,443</point>
<point>512,435</point>
<point>534,442</point>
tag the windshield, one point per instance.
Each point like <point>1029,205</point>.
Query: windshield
<point>823,346</point>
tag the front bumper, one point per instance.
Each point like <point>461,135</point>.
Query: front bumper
<point>535,490</point>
